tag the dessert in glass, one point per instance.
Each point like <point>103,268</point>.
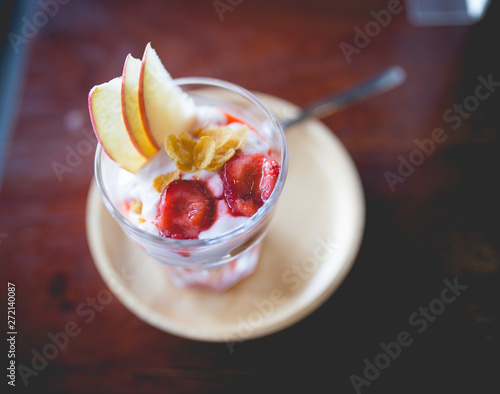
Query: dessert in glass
<point>191,169</point>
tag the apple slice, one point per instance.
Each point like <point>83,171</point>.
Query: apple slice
<point>109,126</point>
<point>165,108</point>
<point>130,106</point>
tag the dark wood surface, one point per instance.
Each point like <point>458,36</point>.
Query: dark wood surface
<point>440,224</point>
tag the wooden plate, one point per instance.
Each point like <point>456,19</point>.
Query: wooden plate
<point>311,245</point>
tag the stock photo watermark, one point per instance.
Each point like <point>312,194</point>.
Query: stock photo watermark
<point>223,6</point>
<point>74,122</point>
<point>58,341</point>
<point>292,277</point>
<point>454,117</point>
<point>11,333</point>
<point>363,37</point>
<point>419,322</point>
<point>30,27</point>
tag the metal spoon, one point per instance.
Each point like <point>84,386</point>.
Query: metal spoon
<point>378,84</point>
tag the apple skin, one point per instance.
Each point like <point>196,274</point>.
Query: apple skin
<point>109,126</point>
<point>132,115</point>
<point>164,107</point>
<point>130,107</point>
<point>142,104</point>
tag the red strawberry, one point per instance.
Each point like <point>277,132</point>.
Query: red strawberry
<point>186,208</point>
<point>248,181</point>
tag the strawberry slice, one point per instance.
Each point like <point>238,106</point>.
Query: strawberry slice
<point>248,181</point>
<point>186,208</point>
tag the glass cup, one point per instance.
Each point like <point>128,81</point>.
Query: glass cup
<point>445,12</point>
<point>213,263</point>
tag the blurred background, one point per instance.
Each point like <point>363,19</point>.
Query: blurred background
<point>436,222</point>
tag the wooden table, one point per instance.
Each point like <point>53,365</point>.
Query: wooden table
<point>430,228</point>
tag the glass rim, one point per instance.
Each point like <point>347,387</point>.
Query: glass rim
<point>239,231</point>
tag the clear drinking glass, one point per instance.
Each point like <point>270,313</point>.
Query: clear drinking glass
<point>220,262</point>
<point>445,12</point>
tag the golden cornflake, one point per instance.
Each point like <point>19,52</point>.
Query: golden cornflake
<point>142,220</point>
<point>219,134</point>
<point>162,181</point>
<point>180,147</point>
<point>226,137</point>
<point>204,152</point>
<point>219,159</point>
<point>236,138</point>
<point>188,167</point>
<point>215,146</point>
<point>136,206</point>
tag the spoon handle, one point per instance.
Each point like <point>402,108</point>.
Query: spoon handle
<point>380,83</point>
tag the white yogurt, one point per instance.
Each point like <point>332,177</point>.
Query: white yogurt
<point>139,187</point>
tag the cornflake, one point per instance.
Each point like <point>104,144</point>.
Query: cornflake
<point>220,158</point>
<point>215,146</point>
<point>136,206</point>
<point>226,137</point>
<point>180,148</point>
<point>162,181</point>
<point>204,152</point>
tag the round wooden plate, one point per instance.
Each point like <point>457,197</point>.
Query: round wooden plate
<point>312,242</point>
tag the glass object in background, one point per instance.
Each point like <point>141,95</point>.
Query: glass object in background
<point>445,12</point>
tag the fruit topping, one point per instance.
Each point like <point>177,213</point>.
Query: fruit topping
<point>132,114</point>
<point>109,126</point>
<point>163,106</point>
<point>130,106</point>
<point>248,182</point>
<point>186,209</point>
